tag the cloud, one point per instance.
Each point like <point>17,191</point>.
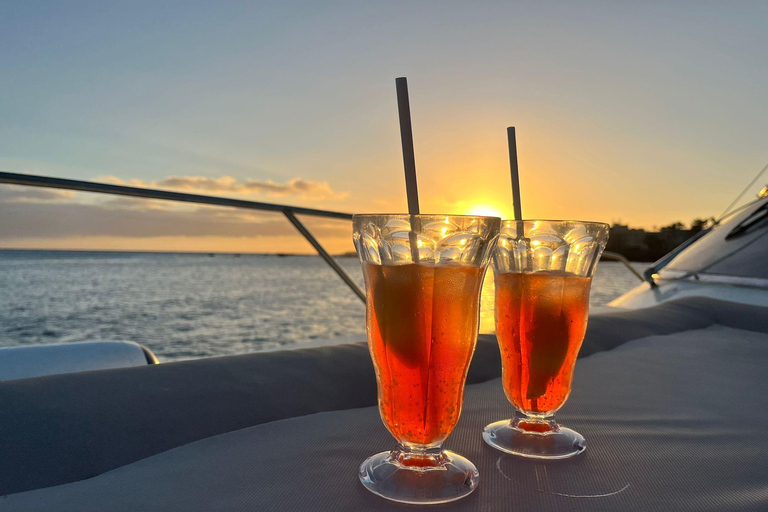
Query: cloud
<point>138,203</point>
<point>200,184</point>
<point>31,213</point>
<point>19,194</point>
<point>25,220</point>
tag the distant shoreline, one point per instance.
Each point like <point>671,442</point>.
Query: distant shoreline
<point>183,253</point>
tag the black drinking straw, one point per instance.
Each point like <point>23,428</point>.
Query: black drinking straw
<point>409,160</point>
<point>406,136</point>
<point>512,141</point>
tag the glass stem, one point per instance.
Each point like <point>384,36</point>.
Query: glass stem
<point>535,424</point>
<point>419,456</point>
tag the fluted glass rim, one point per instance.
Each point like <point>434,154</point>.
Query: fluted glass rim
<point>521,232</point>
<point>601,229</point>
<point>424,215</point>
<point>604,225</point>
<point>371,234</point>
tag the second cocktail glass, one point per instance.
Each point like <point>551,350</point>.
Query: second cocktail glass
<point>543,275</point>
<point>423,277</point>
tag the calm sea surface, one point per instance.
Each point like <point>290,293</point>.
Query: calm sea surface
<point>193,305</point>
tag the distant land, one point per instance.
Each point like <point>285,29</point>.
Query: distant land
<point>641,245</point>
<point>633,243</point>
<point>183,253</point>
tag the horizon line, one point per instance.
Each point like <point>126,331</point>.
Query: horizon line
<point>149,251</point>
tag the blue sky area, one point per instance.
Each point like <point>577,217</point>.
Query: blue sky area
<point>643,112</point>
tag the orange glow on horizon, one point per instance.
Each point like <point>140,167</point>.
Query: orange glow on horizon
<point>486,210</point>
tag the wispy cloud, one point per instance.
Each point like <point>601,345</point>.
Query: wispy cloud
<point>42,213</point>
<point>19,194</point>
<point>61,220</point>
<point>201,184</point>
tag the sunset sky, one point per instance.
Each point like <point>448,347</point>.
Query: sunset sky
<point>644,113</point>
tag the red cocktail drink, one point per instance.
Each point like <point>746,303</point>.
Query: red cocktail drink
<point>422,330</point>
<point>423,277</point>
<point>540,323</point>
<point>543,274</point>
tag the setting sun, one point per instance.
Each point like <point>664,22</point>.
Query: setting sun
<point>486,210</point>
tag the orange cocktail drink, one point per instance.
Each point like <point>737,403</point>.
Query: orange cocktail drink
<point>543,275</point>
<point>540,323</point>
<point>422,329</point>
<point>423,278</point>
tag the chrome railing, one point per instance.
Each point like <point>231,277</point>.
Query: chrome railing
<point>614,256</point>
<point>290,212</point>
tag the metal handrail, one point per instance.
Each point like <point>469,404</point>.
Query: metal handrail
<point>614,256</point>
<point>147,193</point>
<point>664,260</point>
<point>301,228</point>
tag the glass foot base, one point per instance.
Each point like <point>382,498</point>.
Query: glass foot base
<point>535,439</point>
<point>430,477</point>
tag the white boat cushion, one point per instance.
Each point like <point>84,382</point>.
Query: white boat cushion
<point>37,360</point>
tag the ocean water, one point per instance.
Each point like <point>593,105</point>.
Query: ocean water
<point>185,306</point>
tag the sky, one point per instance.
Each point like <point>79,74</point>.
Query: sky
<point>643,113</point>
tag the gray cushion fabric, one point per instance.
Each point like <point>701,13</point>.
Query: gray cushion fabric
<point>610,330</point>
<point>64,428</point>
<point>672,422</point>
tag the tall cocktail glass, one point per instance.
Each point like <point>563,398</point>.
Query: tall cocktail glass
<point>423,277</point>
<point>543,273</point>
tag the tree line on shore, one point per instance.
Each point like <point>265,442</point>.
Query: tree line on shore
<point>641,245</point>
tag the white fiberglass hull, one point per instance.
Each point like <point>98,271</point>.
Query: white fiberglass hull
<point>645,296</point>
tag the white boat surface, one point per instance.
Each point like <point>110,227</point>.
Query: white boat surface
<point>729,262</point>
<point>39,360</point>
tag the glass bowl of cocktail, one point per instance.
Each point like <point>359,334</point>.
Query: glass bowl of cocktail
<point>423,277</point>
<point>543,273</point>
